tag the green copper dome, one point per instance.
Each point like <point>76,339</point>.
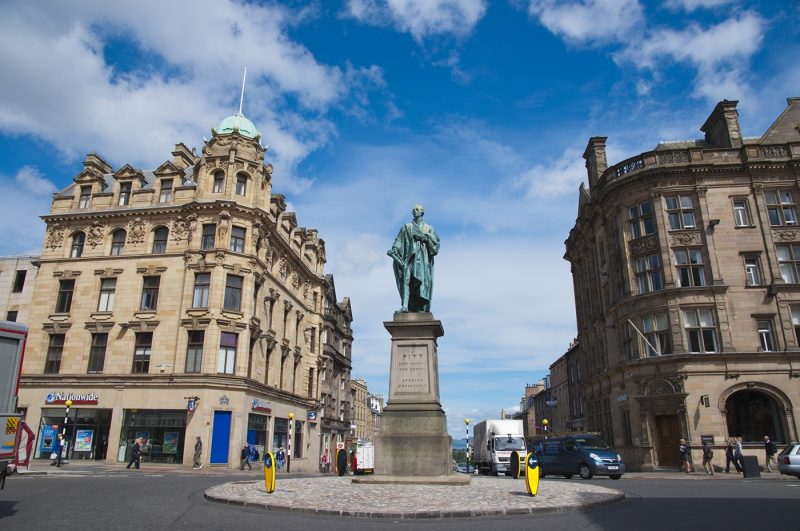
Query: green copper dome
<point>238,123</point>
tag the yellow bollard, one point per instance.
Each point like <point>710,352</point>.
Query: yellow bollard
<point>532,474</point>
<point>269,472</point>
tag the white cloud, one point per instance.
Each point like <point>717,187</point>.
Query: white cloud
<point>63,89</point>
<point>691,5</point>
<point>588,20</point>
<point>557,177</point>
<point>720,53</point>
<point>420,18</point>
<point>23,198</point>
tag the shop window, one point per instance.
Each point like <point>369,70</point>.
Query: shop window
<point>741,213</point>
<point>141,353</point>
<point>765,335</point>
<point>640,219</point>
<point>124,194</point>
<point>233,293</point>
<point>690,268</point>
<point>117,242</point>
<point>781,207</point>
<point>257,427</point>
<point>164,433</point>
<point>241,185</point>
<point>701,330</point>
<point>85,197</point>
<point>237,239</point>
<point>150,294</point>
<point>789,262</point>
<point>751,414</point>
<point>209,232</point>
<point>108,287</point>
<point>19,281</point>
<point>64,299</point>
<point>55,349</point>
<point>202,283</point>
<point>226,360</point>
<point>160,236</point>
<point>194,351</point>
<point>297,439</point>
<point>279,435</point>
<point>219,182</point>
<point>76,250</point>
<point>165,195</point>
<point>97,354</point>
<point>680,212</point>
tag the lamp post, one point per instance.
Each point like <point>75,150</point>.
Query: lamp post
<point>289,444</point>
<point>466,424</point>
<point>545,422</point>
<point>61,451</point>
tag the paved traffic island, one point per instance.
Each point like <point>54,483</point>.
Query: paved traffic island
<point>483,496</point>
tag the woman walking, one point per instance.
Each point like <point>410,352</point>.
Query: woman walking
<point>730,457</point>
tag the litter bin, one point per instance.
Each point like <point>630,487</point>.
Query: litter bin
<point>751,466</point>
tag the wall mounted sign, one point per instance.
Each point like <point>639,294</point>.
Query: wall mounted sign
<point>312,416</point>
<point>223,400</point>
<point>78,399</point>
<point>259,404</point>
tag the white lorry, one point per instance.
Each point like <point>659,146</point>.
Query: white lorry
<point>12,346</point>
<point>492,444</point>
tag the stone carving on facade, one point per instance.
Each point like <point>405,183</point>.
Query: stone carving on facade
<point>239,166</point>
<point>182,228</point>
<point>283,267</point>
<point>643,245</point>
<point>656,193</point>
<point>685,238</point>
<point>95,234</point>
<point>306,287</point>
<point>772,152</point>
<point>758,188</point>
<point>673,157</point>
<point>268,168</point>
<point>137,230</point>
<point>786,234</point>
<point>55,237</point>
<point>701,190</point>
<point>224,222</point>
<point>295,281</point>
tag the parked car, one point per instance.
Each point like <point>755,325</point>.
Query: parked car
<point>789,460</point>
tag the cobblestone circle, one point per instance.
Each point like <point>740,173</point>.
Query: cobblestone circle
<point>339,496</point>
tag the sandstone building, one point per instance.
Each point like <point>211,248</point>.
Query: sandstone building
<point>17,275</point>
<point>686,270</point>
<point>180,302</point>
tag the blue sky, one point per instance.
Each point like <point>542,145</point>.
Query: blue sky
<point>478,110</point>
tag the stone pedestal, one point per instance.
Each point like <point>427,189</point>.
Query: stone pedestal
<point>413,439</point>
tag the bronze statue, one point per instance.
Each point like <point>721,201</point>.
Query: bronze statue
<point>413,252</point>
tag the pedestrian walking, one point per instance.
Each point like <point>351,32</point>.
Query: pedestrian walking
<point>685,451</point>
<point>136,454</point>
<point>324,462</point>
<point>770,448</point>
<point>708,455</point>
<point>730,457</point>
<point>280,458</point>
<point>55,455</point>
<point>198,452</point>
<point>738,454</point>
<point>245,457</point>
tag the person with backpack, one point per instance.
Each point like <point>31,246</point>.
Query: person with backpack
<point>686,454</point>
<point>708,455</point>
<point>771,449</point>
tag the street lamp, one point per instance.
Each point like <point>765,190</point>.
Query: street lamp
<point>289,445</point>
<point>545,422</point>
<point>466,424</point>
<point>61,451</point>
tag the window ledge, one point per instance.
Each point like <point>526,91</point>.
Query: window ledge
<point>101,316</point>
<point>145,314</point>
<point>58,316</point>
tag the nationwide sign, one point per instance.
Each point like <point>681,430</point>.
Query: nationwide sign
<point>260,404</point>
<point>77,398</point>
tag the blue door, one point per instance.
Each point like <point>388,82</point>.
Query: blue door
<point>220,437</point>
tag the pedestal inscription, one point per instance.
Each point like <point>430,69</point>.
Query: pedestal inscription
<point>412,368</point>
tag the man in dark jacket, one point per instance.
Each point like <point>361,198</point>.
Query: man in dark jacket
<point>770,448</point>
<point>136,454</point>
<point>245,457</point>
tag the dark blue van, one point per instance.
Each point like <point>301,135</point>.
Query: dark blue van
<point>584,454</point>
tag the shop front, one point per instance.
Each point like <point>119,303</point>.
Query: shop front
<point>258,421</point>
<point>163,432</point>
<point>86,430</point>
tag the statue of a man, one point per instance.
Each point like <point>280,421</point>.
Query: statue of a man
<point>413,251</point>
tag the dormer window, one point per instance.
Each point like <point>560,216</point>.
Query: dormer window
<point>85,197</point>
<point>241,185</point>
<point>166,191</point>
<point>124,194</point>
<point>219,182</point>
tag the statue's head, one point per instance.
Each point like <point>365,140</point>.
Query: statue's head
<point>418,211</point>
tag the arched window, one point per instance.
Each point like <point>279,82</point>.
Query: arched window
<point>219,182</point>
<point>752,414</point>
<point>160,240</point>
<point>241,184</point>
<point>117,242</point>
<point>77,245</point>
